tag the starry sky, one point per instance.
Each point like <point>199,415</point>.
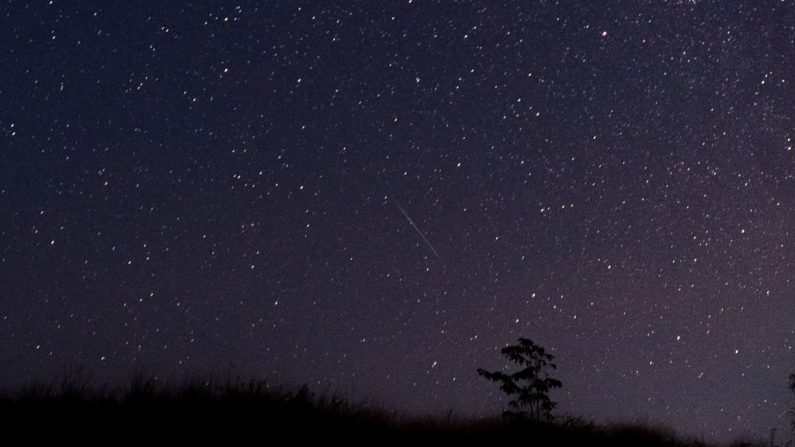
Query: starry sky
<point>375,197</point>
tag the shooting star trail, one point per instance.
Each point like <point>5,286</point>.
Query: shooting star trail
<point>427,242</point>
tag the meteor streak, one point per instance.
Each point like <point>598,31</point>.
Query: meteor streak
<point>427,242</point>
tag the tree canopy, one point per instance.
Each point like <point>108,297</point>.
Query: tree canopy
<point>530,386</point>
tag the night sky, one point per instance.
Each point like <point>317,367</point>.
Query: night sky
<point>375,197</point>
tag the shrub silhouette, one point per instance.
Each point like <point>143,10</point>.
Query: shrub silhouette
<point>792,410</point>
<point>530,385</point>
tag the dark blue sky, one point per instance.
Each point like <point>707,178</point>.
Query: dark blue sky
<point>221,188</point>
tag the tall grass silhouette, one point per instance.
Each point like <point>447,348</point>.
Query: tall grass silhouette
<point>203,408</point>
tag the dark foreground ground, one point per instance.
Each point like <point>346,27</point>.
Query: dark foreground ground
<point>255,413</point>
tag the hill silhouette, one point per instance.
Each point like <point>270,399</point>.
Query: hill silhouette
<point>207,409</point>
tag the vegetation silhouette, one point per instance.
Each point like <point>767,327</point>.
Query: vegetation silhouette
<point>791,414</point>
<point>530,385</point>
<point>792,410</point>
<point>208,408</point>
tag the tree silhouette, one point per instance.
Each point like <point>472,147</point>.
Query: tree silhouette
<point>530,385</point>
